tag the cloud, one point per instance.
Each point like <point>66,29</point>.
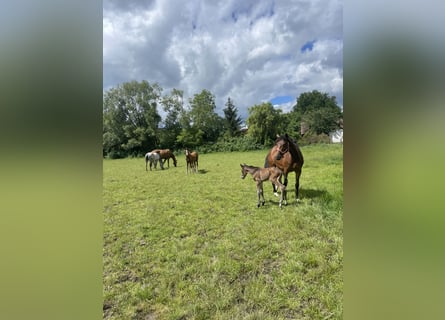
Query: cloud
<point>247,50</point>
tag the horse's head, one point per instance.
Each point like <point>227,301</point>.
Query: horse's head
<point>282,145</point>
<point>243,171</point>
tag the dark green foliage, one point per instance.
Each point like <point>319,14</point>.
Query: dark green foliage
<point>264,123</point>
<point>241,143</point>
<point>132,124</point>
<point>130,119</point>
<point>173,106</point>
<point>201,124</point>
<point>318,112</point>
<point>232,121</point>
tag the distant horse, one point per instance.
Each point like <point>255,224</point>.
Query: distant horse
<point>272,174</point>
<point>192,160</point>
<point>286,155</point>
<point>166,154</point>
<point>153,157</point>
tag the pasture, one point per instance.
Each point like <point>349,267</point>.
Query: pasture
<point>195,246</point>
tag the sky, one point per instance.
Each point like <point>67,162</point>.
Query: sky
<point>252,51</point>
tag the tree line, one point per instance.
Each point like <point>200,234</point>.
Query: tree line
<point>133,126</point>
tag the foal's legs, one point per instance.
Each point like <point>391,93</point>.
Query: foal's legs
<point>276,182</point>
<point>259,190</point>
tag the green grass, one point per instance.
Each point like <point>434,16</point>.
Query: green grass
<point>195,246</point>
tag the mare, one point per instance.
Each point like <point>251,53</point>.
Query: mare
<point>287,156</point>
<point>166,154</point>
<point>153,157</point>
<point>192,160</point>
<point>272,174</point>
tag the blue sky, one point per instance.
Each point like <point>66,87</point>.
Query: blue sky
<point>251,51</point>
<point>282,99</point>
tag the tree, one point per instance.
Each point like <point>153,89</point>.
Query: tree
<point>200,124</point>
<point>130,118</point>
<point>318,111</point>
<point>264,122</point>
<point>173,106</point>
<point>232,121</point>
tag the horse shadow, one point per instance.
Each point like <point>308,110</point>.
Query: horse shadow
<point>306,193</point>
<point>202,171</point>
<point>312,193</point>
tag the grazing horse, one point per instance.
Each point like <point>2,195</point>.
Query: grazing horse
<point>153,157</point>
<point>166,154</point>
<point>192,160</point>
<point>286,155</point>
<point>272,174</point>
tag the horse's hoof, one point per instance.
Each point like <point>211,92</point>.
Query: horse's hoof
<point>276,194</point>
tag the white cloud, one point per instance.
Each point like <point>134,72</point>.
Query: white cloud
<point>248,50</point>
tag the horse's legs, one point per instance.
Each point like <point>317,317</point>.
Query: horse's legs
<point>161,164</point>
<point>262,192</point>
<point>146,169</point>
<point>274,189</point>
<point>277,183</point>
<point>283,195</point>
<point>259,191</point>
<point>297,184</point>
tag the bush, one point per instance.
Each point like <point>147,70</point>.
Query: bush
<point>314,138</point>
<point>243,143</point>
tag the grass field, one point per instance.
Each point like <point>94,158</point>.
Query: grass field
<point>180,246</point>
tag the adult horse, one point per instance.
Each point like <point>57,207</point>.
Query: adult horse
<point>153,157</point>
<point>287,156</point>
<point>166,154</point>
<point>191,158</point>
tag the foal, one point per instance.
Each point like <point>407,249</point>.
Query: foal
<point>192,160</point>
<point>272,174</point>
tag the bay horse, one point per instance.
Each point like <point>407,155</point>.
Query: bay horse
<point>153,157</point>
<point>287,156</point>
<point>166,154</point>
<point>272,174</point>
<point>192,160</point>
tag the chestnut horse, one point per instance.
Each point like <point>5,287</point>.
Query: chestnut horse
<point>166,154</point>
<point>153,157</point>
<point>272,174</point>
<point>286,155</point>
<point>192,160</point>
